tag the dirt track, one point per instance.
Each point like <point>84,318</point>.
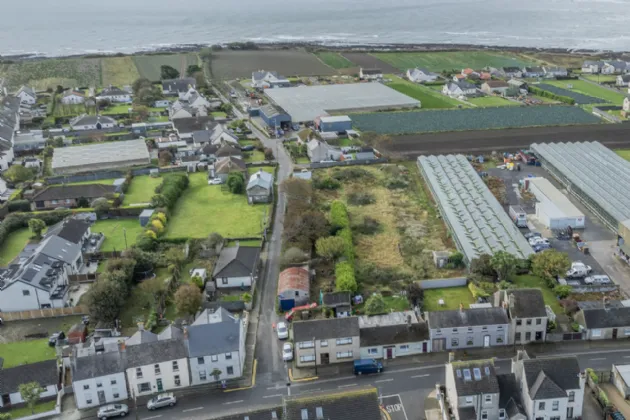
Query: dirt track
<point>612,135</point>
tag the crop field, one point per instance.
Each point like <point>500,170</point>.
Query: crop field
<point>369,61</point>
<point>449,60</point>
<point>42,74</point>
<point>580,98</point>
<point>490,101</point>
<point>119,71</point>
<point>149,65</point>
<point>334,60</point>
<point>471,119</point>
<point>241,64</point>
<point>429,99</point>
<point>590,89</point>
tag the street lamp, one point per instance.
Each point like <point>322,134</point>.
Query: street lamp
<point>315,352</point>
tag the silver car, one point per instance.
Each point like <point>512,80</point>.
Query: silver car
<point>162,400</point>
<point>112,410</point>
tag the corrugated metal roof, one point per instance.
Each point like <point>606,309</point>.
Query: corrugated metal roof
<point>562,207</point>
<point>474,215</point>
<point>599,172</point>
<point>338,118</point>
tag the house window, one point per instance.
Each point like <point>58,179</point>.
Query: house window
<point>569,412</point>
<point>157,369</point>
<point>555,418</point>
<point>202,375</point>
<point>99,384</point>
<point>517,336</point>
<point>484,415</point>
<point>528,336</point>
<point>404,348</point>
<point>529,322</point>
<point>228,356</point>
<point>455,330</point>
<point>469,400</point>
<point>307,358</point>
<point>571,396</point>
<point>86,387</point>
<point>139,373</point>
<point>68,201</point>
<point>230,370</point>
<point>454,342</point>
<point>470,341</point>
<point>500,327</point>
<point>488,398</point>
<point>596,333</point>
<point>538,321</point>
<point>555,406</point>
<point>297,294</point>
<point>88,401</point>
<point>224,280</point>
<point>373,351</point>
<point>344,341</point>
<point>323,343</point>
<point>200,360</point>
<point>175,366</point>
<point>541,405</point>
<point>26,292</point>
<point>484,328</point>
<point>113,382</point>
<point>344,354</point>
<point>214,358</point>
<point>116,395</point>
<point>519,322</point>
<point>54,201</point>
<point>470,329</point>
<point>144,387</point>
<point>438,331</point>
<point>306,345</point>
<point>178,381</point>
<point>499,339</point>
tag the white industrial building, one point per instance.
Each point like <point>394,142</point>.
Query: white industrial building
<point>553,208</point>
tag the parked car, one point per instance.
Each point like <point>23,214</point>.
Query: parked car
<point>362,366</point>
<point>578,270</point>
<point>52,340</point>
<point>247,148</point>
<point>215,181</point>
<point>162,400</point>
<point>112,410</point>
<point>541,247</point>
<point>598,279</point>
<point>287,352</point>
<point>536,240</point>
<point>282,330</point>
<point>529,235</point>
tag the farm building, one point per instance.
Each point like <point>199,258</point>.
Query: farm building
<point>476,219</point>
<point>596,175</point>
<point>553,208</point>
<point>338,124</point>
<point>293,287</point>
<point>98,157</point>
<point>271,115</point>
<point>305,103</point>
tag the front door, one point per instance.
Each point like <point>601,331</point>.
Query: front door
<point>424,347</point>
<point>486,341</point>
<point>614,333</point>
<point>101,397</point>
<point>389,352</point>
<point>325,358</point>
<point>159,385</point>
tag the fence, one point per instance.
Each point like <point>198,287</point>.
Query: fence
<point>439,283</point>
<point>43,313</point>
<point>606,115</point>
<point>61,179</point>
<point>591,288</point>
<point>83,278</point>
<point>319,165</point>
<point>557,337</point>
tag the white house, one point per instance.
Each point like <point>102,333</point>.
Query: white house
<point>420,75</point>
<point>458,89</point>
<point>614,67</point>
<point>623,80</point>
<point>393,335</point>
<point>592,66</point>
<point>46,374</point>
<point>626,104</point>
<point>92,122</point>
<point>9,125</point>
<point>98,379</point>
<point>268,79</point>
<point>114,94</point>
<point>236,267</point>
<point>551,72</point>
<point>220,135</point>
<point>498,87</point>
<point>370,74</point>
<point>71,97</point>
<point>178,86</point>
<point>216,346</point>
<point>27,95</point>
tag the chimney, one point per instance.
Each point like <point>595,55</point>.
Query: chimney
<point>461,307</point>
<point>185,333</point>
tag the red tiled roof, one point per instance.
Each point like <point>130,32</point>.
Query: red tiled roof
<point>295,278</point>
<point>468,71</point>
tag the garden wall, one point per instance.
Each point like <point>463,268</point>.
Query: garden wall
<point>319,165</point>
<point>440,283</point>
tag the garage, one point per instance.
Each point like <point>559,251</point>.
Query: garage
<point>553,208</point>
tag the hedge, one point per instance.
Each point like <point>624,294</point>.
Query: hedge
<point>550,95</point>
<point>345,280</point>
<point>476,291</point>
<point>339,215</point>
<point>167,193</point>
<point>19,205</point>
<point>15,221</point>
<point>346,235</point>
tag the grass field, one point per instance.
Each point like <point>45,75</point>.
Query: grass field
<point>624,153</point>
<point>42,74</point>
<point>294,62</point>
<point>586,88</point>
<point>429,99</point>
<point>119,71</point>
<point>114,235</point>
<point>42,407</point>
<point>117,109</point>
<point>108,181</point>
<point>452,297</point>
<point>22,352</point>
<point>529,281</point>
<point>600,78</point>
<point>254,156</point>
<point>149,65</point>
<point>204,209</point>
<point>449,60</point>
<point>141,190</point>
<point>13,245</point>
<point>334,60</point>
<point>488,101</point>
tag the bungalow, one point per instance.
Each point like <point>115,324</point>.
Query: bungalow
<point>46,374</point>
<point>225,166</point>
<point>605,323</point>
<point>293,287</point>
<point>512,72</point>
<point>237,266</point>
<point>268,79</point>
<point>325,341</point>
<point>457,89</point>
<point>370,74</point>
<point>623,80</point>
<point>498,87</point>
<point>319,151</point>
<point>551,72</point>
<point>177,87</point>
<point>226,150</point>
<point>185,127</point>
<point>260,187</point>
<point>421,75</point>
<point>98,378</point>
<point>72,97</point>
<point>340,302</point>
<point>592,66</point>
<point>92,122</point>
<point>69,196</point>
<point>393,335</point>
<point>484,75</point>
<point>27,95</point>
<point>532,72</point>
<point>114,94</point>
<point>467,328</point>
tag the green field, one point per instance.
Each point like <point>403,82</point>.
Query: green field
<point>117,109</point>
<point>42,74</point>
<point>487,101</point>
<point>114,235</point>
<point>600,78</point>
<point>149,65</point>
<point>204,209</point>
<point>449,60</point>
<point>13,245</point>
<point>334,60</point>
<point>22,352</point>
<point>452,297</point>
<point>119,71</point>
<point>108,181</point>
<point>428,98</point>
<point>586,88</point>
<point>141,190</point>
<point>624,153</point>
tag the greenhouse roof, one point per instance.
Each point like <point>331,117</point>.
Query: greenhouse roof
<point>475,217</point>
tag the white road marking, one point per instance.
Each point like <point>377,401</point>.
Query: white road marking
<point>420,376</point>
<point>598,358</point>
<point>192,409</point>
<point>273,396</point>
<point>153,417</point>
<point>346,386</point>
<point>274,387</point>
<point>384,380</point>
<point>310,390</point>
<point>626,357</point>
<point>395,406</point>
<point>233,402</point>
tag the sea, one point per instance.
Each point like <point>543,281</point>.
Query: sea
<point>69,27</point>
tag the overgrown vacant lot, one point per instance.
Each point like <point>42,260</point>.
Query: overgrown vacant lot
<point>233,64</point>
<point>41,74</point>
<point>204,209</point>
<point>119,71</point>
<point>149,65</point>
<point>449,60</point>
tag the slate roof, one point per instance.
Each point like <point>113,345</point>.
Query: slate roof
<point>236,261</point>
<point>205,339</point>
<point>534,69</point>
<point>209,149</point>
<point>141,337</point>
<point>625,77</point>
<point>323,329</point>
<point>511,69</point>
<point>394,334</point>
<point>73,230</point>
<point>227,150</point>
<point>201,136</point>
<point>262,75</point>
<point>9,108</point>
<point>28,90</point>
<point>485,383</point>
<point>44,373</point>
<point>467,318</point>
<point>510,395</point>
<point>60,249</point>
<point>261,179</point>
<point>178,85</point>
<point>191,124</point>
<point>335,299</point>
<point>171,332</point>
<point>113,91</point>
<point>595,318</point>
<point>74,191</point>
<point>371,71</point>
<point>526,303</point>
<point>294,278</point>
<point>551,377</point>
<point>149,353</point>
<point>91,120</point>
<point>497,83</point>
<point>97,365</point>
<point>361,403</point>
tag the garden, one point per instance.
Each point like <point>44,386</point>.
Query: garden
<point>21,352</point>
<point>141,189</point>
<point>115,231</point>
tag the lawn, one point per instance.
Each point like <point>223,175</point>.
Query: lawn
<point>254,156</point>
<point>108,181</point>
<point>114,235</point>
<point>204,209</point>
<point>489,101</point>
<point>135,309</point>
<point>22,352</point>
<point>449,60</point>
<point>624,153</point>
<point>529,281</point>
<point>141,190</point>
<point>117,109</point>
<point>119,71</point>
<point>218,114</point>
<point>13,245</point>
<point>452,297</point>
<point>428,98</point>
<point>16,413</point>
<point>600,78</point>
<point>334,60</point>
<point>586,88</point>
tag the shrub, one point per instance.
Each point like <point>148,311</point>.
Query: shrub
<point>570,306</point>
<point>236,183</point>
<point>293,256</point>
<point>157,226</point>
<point>562,291</point>
<point>19,205</point>
<point>375,305</point>
<point>351,173</point>
<point>456,259</point>
<point>326,183</point>
<point>331,247</point>
<point>591,373</point>
<point>345,280</point>
<point>339,215</point>
<point>170,190</point>
<point>361,198</point>
<point>346,235</point>
<point>476,291</point>
<point>161,217</point>
<point>575,327</point>
<point>504,285</point>
<point>366,226</point>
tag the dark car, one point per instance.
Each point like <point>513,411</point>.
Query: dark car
<point>363,366</point>
<point>247,148</point>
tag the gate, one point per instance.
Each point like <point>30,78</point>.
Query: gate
<point>287,304</point>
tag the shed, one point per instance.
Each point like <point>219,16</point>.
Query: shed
<point>336,124</point>
<point>293,287</point>
<point>145,217</point>
<point>77,333</point>
<point>553,208</point>
<point>621,379</point>
<point>440,258</point>
<point>339,301</point>
<point>118,183</point>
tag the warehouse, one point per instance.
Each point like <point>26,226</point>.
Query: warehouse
<point>338,124</point>
<point>305,103</point>
<point>477,221</point>
<point>98,157</point>
<point>553,208</point>
<point>596,175</point>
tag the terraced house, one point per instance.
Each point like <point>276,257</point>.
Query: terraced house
<point>527,314</point>
<point>9,125</point>
<point>326,341</point>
